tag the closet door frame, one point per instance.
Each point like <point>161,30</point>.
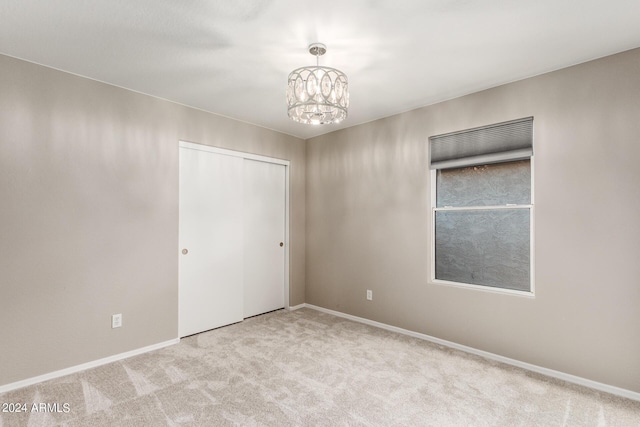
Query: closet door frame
<point>250,156</point>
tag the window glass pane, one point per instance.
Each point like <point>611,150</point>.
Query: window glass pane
<point>484,247</point>
<point>489,185</point>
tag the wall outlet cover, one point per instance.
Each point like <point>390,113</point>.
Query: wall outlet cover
<point>116,321</point>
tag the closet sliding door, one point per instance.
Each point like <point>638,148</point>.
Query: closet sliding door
<point>211,268</point>
<point>232,236</point>
<point>264,230</point>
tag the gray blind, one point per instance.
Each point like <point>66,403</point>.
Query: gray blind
<point>500,142</point>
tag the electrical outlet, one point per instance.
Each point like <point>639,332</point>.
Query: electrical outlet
<point>369,294</point>
<point>116,321</point>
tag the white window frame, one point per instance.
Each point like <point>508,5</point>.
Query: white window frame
<point>485,288</point>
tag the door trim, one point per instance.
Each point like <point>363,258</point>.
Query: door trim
<point>250,156</point>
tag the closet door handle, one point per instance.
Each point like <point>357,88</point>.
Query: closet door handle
<point>281,244</point>
<point>185,251</point>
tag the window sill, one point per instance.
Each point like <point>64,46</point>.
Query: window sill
<point>483,288</point>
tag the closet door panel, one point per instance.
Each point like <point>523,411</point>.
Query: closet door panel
<point>264,237</point>
<point>211,267</point>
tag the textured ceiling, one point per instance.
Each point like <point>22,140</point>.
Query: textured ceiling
<point>233,57</point>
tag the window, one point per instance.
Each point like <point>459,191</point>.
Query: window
<point>483,207</point>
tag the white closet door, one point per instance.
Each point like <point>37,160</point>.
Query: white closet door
<point>264,232</point>
<point>211,231</point>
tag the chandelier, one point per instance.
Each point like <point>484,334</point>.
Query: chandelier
<point>317,95</point>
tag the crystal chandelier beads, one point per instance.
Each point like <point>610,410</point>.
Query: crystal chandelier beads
<point>317,95</point>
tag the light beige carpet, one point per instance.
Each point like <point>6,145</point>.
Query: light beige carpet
<point>309,368</point>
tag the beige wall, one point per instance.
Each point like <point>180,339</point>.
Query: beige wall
<point>368,223</point>
<point>89,215</point>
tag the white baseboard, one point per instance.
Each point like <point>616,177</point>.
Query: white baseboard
<point>297,307</point>
<point>544,371</point>
<point>73,369</point>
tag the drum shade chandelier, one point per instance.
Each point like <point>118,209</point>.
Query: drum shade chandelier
<point>317,95</point>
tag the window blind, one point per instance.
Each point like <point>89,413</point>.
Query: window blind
<point>501,142</point>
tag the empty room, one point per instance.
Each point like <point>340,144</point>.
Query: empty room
<point>277,212</point>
